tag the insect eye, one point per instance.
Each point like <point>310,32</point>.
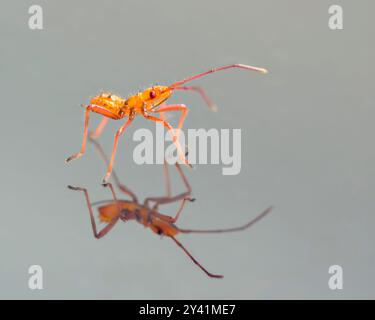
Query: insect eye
<point>152,94</point>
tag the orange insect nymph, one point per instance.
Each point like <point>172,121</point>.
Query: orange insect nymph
<point>145,103</point>
<point>147,213</point>
<point>161,224</point>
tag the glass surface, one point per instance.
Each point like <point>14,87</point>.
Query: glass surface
<point>307,148</point>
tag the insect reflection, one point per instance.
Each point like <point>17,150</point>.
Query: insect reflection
<point>147,213</point>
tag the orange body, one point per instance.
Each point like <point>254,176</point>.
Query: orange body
<point>157,222</point>
<point>115,107</point>
<point>146,103</point>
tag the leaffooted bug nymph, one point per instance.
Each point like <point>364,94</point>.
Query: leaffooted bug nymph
<point>146,103</point>
<point>148,214</point>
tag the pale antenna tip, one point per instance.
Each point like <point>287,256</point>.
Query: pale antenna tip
<point>214,108</point>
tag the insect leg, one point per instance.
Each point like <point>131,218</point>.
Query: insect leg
<point>180,209</point>
<point>167,179</point>
<point>203,94</point>
<point>122,187</point>
<point>171,131</point>
<point>169,199</point>
<point>117,135</point>
<point>175,107</point>
<point>107,228</point>
<point>99,129</point>
<point>85,130</point>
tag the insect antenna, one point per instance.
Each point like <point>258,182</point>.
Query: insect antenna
<point>245,226</point>
<point>195,261</point>
<point>240,66</point>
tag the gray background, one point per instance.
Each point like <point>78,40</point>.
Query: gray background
<point>307,148</point>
